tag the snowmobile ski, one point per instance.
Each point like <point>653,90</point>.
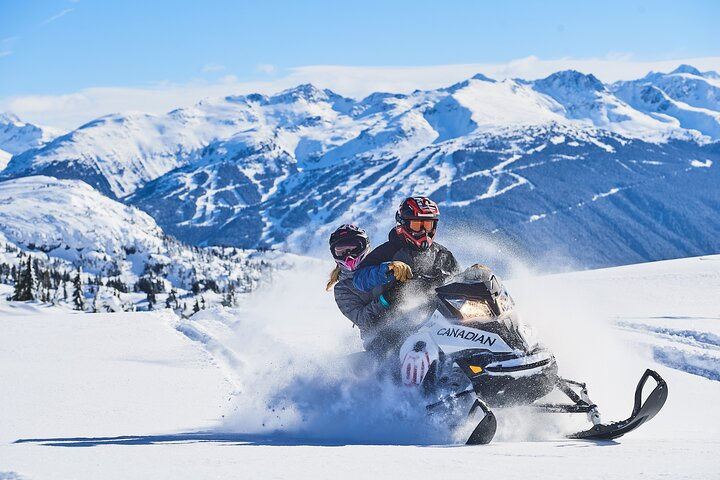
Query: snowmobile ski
<point>485,429</point>
<point>642,412</point>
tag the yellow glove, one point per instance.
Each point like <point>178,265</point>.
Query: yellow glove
<point>401,271</point>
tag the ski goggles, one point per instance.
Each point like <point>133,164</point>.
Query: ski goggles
<point>420,225</point>
<point>352,247</point>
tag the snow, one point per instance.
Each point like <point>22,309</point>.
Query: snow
<point>120,153</point>
<point>282,171</point>
<point>612,191</point>
<point>35,210</point>
<point>684,97</point>
<point>699,164</point>
<point>4,159</point>
<point>17,136</point>
<point>506,103</point>
<point>133,395</point>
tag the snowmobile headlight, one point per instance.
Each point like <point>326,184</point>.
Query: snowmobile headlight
<point>472,309</point>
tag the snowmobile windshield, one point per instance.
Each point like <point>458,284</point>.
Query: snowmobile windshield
<point>472,309</point>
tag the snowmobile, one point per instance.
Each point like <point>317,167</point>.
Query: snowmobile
<point>474,351</point>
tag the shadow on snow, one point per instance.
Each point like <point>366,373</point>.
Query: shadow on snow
<point>237,439</point>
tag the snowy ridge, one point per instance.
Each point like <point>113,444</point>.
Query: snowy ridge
<point>4,158</point>
<point>17,136</point>
<point>70,222</point>
<point>120,153</point>
<point>500,179</point>
<point>519,160</point>
<point>684,97</point>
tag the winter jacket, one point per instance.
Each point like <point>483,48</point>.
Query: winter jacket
<point>431,267</point>
<point>362,308</point>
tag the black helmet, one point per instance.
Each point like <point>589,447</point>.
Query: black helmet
<point>349,245</point>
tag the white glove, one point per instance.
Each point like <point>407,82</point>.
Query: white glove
<point>414,367</point>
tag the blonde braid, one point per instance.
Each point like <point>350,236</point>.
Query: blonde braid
<point>333,278</point>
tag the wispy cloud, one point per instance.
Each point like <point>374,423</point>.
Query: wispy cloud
<point>229,80</point>
<point>212,67</point>
<point>7,45</point>
<point>266,68</point>
<point>55,17</point>
<point>73,109</point>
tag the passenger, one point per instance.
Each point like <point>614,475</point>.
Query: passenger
<point>349,245</point>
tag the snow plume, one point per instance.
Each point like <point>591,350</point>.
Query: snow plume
<point>567,316</point>
<point>473,244</point>
<point>297,377</point>
<point>292,358</point>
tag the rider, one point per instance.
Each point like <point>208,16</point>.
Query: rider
<point>349,245</point>
<point>411,242</point>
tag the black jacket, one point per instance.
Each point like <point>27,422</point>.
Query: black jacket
<point>430,267</point>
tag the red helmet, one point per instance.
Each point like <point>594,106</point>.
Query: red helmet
<point>417,220</point>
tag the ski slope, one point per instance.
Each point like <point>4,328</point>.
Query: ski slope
<point>262,391</point>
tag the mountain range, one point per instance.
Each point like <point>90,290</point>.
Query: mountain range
<point>565,167</point>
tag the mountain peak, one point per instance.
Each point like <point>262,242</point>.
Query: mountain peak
<point>573,78</point>
<point>10,119</point>
<point>306,91</point>
<point>483,78</point>
<point>465,83</point>
<point>17,136</point>
<point>687,69</point>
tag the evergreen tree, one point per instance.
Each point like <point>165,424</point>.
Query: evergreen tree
<point>172,301</point>
<point>229,298</point>
<point>196,307</point>
<point>25,283</point>
<point>151,300</point>
<point>78,296</point>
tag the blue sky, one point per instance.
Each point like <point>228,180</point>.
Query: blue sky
<point>61,47</point>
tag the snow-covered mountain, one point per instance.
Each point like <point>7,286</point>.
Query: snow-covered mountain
<point>17,136</point>
<point>71,221</point>
<point>585,98</point>
<point>684,97</point>
<point>550,165</point>
<point>589,195</point>
<point>119,153</point>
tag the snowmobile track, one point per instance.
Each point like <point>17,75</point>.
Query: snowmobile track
<point>689,351</point>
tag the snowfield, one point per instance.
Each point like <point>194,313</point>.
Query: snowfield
<point>264,390</point>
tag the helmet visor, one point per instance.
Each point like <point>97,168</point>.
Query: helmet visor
<point>351,247</point>
<point>420,225</point>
